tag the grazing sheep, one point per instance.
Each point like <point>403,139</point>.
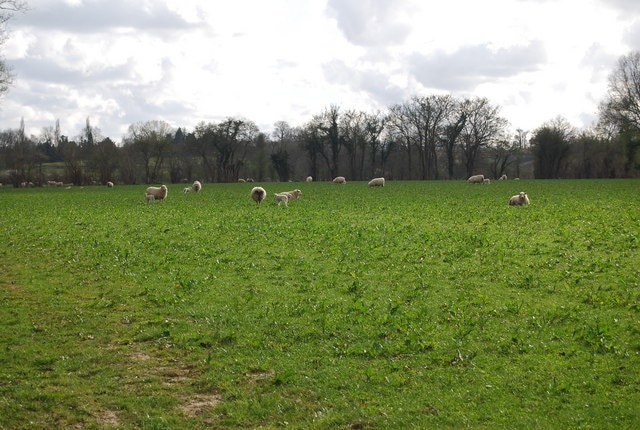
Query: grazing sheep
<point>476,179</point>
<point>503,177</point>
<point>241,180</point>
<point>149,197</point>
<point>282,198</point>
<point>309,179</point>
<point>339,180</point>
<point>519,199</point>
<point>249,179</point>
<point>186,190</point>
<point>258,194</point>
<point>159,193</point>
<point>109,184</point>
<point>376,182</point>
<point>197,186</point>
<point>486,181</point>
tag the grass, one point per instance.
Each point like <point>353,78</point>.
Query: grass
<point>420,304</point>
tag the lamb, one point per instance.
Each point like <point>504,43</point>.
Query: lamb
<point>159,193</point>
<point>503,177</point>
<point>197,186</point>
<point>109,184</point>
<point>292,195</point>
<point>376,182</point>
<point>282,198</point>
<point>258,194</point>
<point>309,179</point>
<point>339,180</point>
<point>186,190</point>
<point>476,179</point>
<point>486,181</point>
<point>149,197</point>
<point>519,199</point>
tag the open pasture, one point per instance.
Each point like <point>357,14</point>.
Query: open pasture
<point>416,305</point>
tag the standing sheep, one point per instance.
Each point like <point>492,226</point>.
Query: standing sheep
<point>186,190</point>
<point>486,181</point>
<point>292,195</point>
<point>197,186</point>
<point>376,182</point>
<point>158,193</point>
<point>282,198</point>
<point>476,179</point>
<point>503,177</point>
<point>339,180</point>
<point>109,184</point>
<point>258,194</point>
<point>519,199</point>
<point>149,198</point>
<point>309,179</point>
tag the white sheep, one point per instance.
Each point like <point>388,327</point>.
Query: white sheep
<point>486,181</point>
<point>258,194</point>
<point>503,177</point>
<point>150,198</point>
<point>292,195</point>
<point>186,190</point>
<point>476,179</point>
<point>282,198</point>
<point>339,180</point>
<point>109,184</point>
<point>376,182</point>
<point>309,179</point>
<point>159,193</point>
<point>519,199</point>
<point>241,180</point>
<point>197,186</point>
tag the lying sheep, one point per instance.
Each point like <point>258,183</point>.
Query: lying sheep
<point>519,199</point>
<point>376,182</point>
<point>282,198</point>
<point>309,179</point>
<point>197,186</point>
<point>476,179</point>
<point>339,180</point>
<point>159,193</point>
<point>186,190</point>
<point>258,194</point>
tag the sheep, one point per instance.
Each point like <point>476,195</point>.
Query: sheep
<point>159,193</point>
<point>282,198</point>
<point>186,190</point>
<point>486,181</point>
<point>339,180</point>
<point>519,199</point>
<point>309,179</point>
<point>109,184</point>
<point>503,177</point>
<point>241,180</point>
<point>197,186</point>
<point>376,182</point>
<point>292,195</point>
<point>149,197</point>
<point>258,194</point>
<point>476,179</point>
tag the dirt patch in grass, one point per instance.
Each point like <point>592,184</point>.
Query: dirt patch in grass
<point>196,405</point>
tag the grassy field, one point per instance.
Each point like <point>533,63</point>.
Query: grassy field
<point>416,305</point>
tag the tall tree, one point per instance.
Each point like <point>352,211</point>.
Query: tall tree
<point>8,8</point>
<point>621,107</point>
<point>483,125</point>
<point>550,145</point>
<point>152,139</point>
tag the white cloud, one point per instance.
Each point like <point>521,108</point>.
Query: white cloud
<point>185,61</point>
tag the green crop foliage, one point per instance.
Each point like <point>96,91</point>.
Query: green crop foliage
<point>416,305</point>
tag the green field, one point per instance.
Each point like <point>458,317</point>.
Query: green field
<point>416,305</point>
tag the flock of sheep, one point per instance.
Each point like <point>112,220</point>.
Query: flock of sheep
<point>258,194</point>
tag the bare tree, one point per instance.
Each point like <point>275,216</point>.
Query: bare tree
<point>8,8</point>
<point>483,125</point>
<point>152,139</point>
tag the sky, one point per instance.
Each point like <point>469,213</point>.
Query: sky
<point>122,62</point>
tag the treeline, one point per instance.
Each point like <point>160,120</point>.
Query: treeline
<point>424,138</point>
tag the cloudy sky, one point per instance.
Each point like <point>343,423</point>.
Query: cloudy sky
<point>121,62</point>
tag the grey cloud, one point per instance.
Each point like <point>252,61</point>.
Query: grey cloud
<point>370,23</point>
<point>375,84</point>
<point>625,6</point>
<point>632,35</point>
<point>471,65</point>
<point>95,16</point>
